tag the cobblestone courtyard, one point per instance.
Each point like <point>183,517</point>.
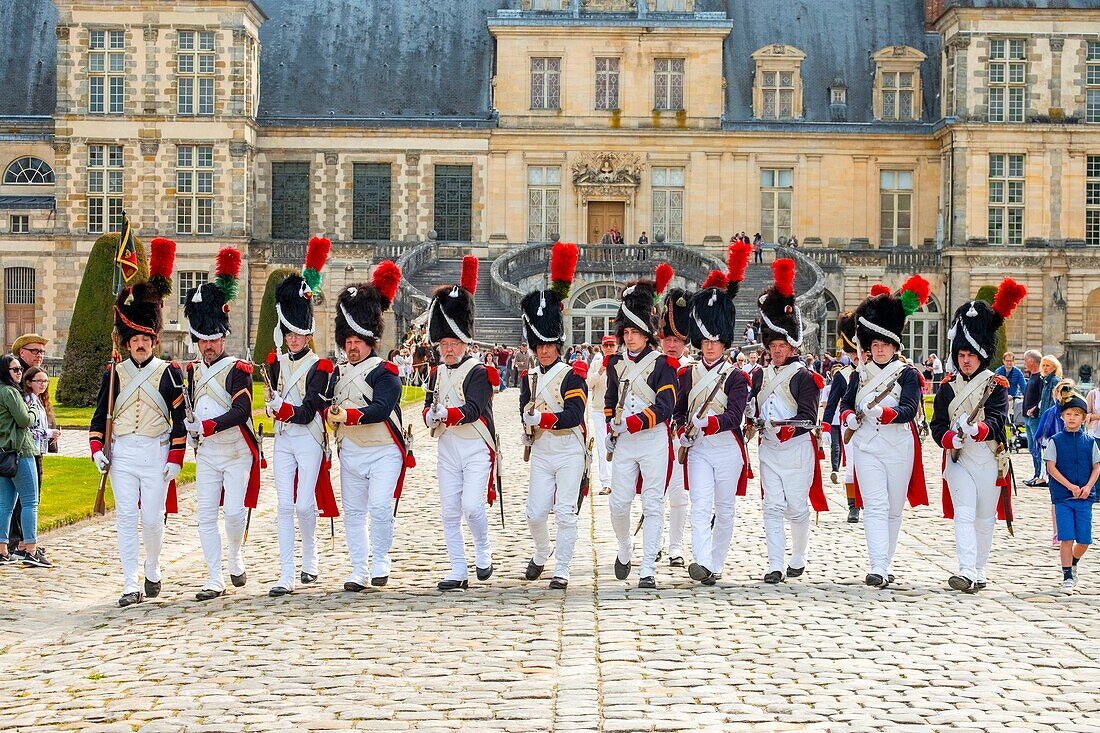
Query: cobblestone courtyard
<point>819,653</point>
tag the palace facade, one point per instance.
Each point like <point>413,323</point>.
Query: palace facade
<point>959,138</point>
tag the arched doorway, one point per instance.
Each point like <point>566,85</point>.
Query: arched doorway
<point>922,332</point>
<point>591,312</point>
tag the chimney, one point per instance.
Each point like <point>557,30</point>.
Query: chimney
<point>933,9</point>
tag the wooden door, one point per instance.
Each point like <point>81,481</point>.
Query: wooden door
<point>602,215</point>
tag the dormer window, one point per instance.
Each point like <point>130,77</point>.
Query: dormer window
<point>777,91</point>
<point>897,84</point>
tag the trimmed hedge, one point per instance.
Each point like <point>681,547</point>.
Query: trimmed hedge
<point>264,340</point>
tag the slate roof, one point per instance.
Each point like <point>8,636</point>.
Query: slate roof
<point>28,57</point>
<point>26,202</point>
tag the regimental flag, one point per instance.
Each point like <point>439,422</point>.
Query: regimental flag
<point>127,258</point>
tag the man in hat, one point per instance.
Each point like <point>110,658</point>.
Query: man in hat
<point>31,350</point>
<point>968,422</point>
<point>148,435</point>
<point>673,329</point>
<point>227,454</point>
<point>302,383</point>
<point>638,404</point>
<point>710,406</point>
<point>458,408</point>
<point>784,401</point>
<point>881,406</point>
<point>552,403</point>
<point>366,416</point>
<point>832,431</point>
<point>597,426</point>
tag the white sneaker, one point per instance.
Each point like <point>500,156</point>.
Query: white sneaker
<point>1068,586</point>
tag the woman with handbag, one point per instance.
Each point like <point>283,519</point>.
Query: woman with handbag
<point>18,475</point>
<point>35,386</point>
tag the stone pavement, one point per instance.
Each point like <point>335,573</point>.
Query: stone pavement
<point>822,653</point>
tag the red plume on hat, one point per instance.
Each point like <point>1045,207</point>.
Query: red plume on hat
<point>162,259</point>
<point>783,270</point>
<point>563,268</point>
<point>663,276</point>
<point>468,279</point>
<point>737,261</point>
<point>1009,295</point>
<point>716,279</point>
<point>387,278</point>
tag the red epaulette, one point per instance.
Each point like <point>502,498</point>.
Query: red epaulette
<point>176,364</point>
<point>324,365</point>
<point>271,357</point>
<point>390,366</point>
<point>432,370</point>
<point>947,379</point>
<point>681,371</point>
<point>673,362</point>
<point>494,375</point>
<point>818,380</point>
<point>245,366</point>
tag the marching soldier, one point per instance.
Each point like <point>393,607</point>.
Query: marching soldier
<point>641,395</point>
<point>710,406</point>
<point>366,419</point>
<point>880,407</point>
<point>227,454</point>
<point>673,329</point>
<point>458,408</point>
<point>597,427</point>
<point>831,429</point>
<point>552,401</point>
<point>148,436</point>
<point>784,401</point>
<point>302,388</point>
<point>968,421</point>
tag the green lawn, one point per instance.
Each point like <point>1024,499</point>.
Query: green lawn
<point>69,487</point>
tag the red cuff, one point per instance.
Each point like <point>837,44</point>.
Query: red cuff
<point>786,433</point>
<point>424,415</point>
<point>983,432</point>
<point>889,414</point>
<point>712,426</point>
<point>826,427</point>
<point>286,411</point>
<point>680,433</point>
<point>454,416</point>
<point>844,415</point>
<point>949,440</point>
<point>96,446</point>
<point>633,424</point>
<point>548,421</point>
<point>208,428</point>
<point>176,456</point>
<point>353,416</point>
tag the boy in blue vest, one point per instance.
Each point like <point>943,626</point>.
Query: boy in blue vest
<point>1073,465</point>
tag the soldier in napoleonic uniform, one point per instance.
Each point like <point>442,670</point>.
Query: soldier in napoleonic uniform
<point>832,432</point>
<point>673,330</point>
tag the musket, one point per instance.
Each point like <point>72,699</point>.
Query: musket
<point>529,432</point>
<point>973,416</point>
<point>263,464</point>
<point>585,479</point>
<point>330,389</point>
<point>408,454</point>
<point>188,408</point>
<point>848,432</point>
<point>100,506</point>
<point>759,424</point>
<point>611,439</point>
<point>690,430</point>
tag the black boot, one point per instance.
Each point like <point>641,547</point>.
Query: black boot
<point>853,512</point>
<point>308,578</point>
<point>352,587</point>
<point>152,590</point>
<point>622,569</point>
<point>239,580</point>
<point>208,594</point>
<point>647,582</point>
<point>533,571</point>
<point>773,577</point>
<point>379,581</point>
<point>558,583</point>
<point>795,572</point>
<point>485,573</point>
<point>129,599</point>
<point>449,585</point>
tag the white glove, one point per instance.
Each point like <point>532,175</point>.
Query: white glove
<point>826,439</point>
<point>686,442</point>
<point>430,419</point>
<point>171,470</point>
<point>532,419</point>
<point>193,425</point>
<point>337,415</point>
<point>618,426</point>
<point>970,430</point>
<point>851,422</point>
<point>101,461</point>
<point>874,413</point>
<point>700,423</point>
<point>963,417</point>
<point>274,405</point>
<point>956,441</point>
<point>439,412</point>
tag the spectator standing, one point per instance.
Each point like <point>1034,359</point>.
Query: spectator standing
<point>597,386</point>
<point>937,373</point>
<point>31,350</point>
<point>1016,383</point>
<point>44,434</point>
<point>753,364</point>
<point>521,362</point>
<point>643,239</point>
<point>616,236</point>
<point>758,249</point>
<point>15,421</point>
<point>607,238</point>
<point>1032,393</point>
<point>1073,464</point>
<point>503,356</point>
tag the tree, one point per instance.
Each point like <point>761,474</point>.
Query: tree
<point>265,343</point>
<point>988,293</point>
<point>89,345</point>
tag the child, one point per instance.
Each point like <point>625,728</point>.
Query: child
<point>1073,465</point>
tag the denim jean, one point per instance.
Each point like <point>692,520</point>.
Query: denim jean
<point>15,531</point>
<point>24,487</point>
<point>1031,425</point>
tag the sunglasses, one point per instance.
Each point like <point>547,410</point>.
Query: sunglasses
<point>15,370</point>
<point>35,351</point>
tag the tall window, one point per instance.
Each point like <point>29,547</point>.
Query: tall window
<point>1007,80</point>
<point>194,189</point>
<point>1092,83</point>
<point>1092,200</point>
<point>29,171</point>
<point>668,203</point>
<point>778,90</point>
<point>543,195</point>
<point>896,207</point>
<point>104,188</point>
<point>370,217</point>
<point>607,83</point>
<point>289,200</point>
<point>1006,199</point>
<point>106,66</point>
<point>949,94</point>
<point>19,309</point>
<point>828,328</point>
<point>453,202</point>
<point>668,82</point>
<point>776,186</point>
<point>20,224</point>
<point>922,332</point>
<point>187,279</point>
<point>897,95</point>
<point>546,83</point>
<point>195,73</point>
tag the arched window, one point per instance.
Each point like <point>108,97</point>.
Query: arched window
<point>591,312</point>
<point>1092,313</point>
<point>29,171</point>
<point>828,328</point>
<point>922,332</point>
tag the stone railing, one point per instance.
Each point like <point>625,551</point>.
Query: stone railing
<point>293,252</point>
<point>889,260</point>
<point>411,304</point>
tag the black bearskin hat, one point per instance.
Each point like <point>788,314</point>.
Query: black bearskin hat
<point>207,306</point>
<point>294,295</point>
<point>882,314</point>
<point>138,308</point>
<point>975,324</point>
<point>846,333</point>
<point>779,315</point>
<point>639,302</point>
<point>542,309</point>
<point>675,316</point>
<point>451,313</point>
<point>360,307</point>
<point>713,315</point>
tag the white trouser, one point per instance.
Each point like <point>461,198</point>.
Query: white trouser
<point>597,428</point>
<point>557,465</point>
<point>677,506</point>
<point>714,466</point>
<point>222,465</point>
<point>299,454</point>
<point>849,459</point>
<point>464,467</point>
<point>974,493</point>
<point>137,479</point>
<point>786,472</point>
<point>645,454</point>
<point>368,478</point>
<point>883,468</point>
